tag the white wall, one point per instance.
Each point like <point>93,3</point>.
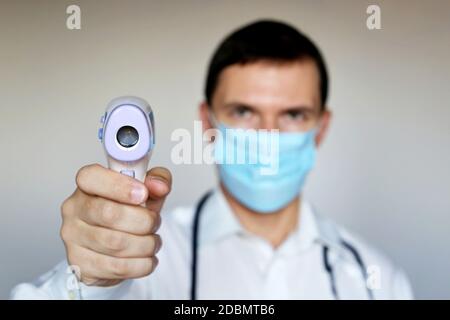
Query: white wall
<point>383,172</point>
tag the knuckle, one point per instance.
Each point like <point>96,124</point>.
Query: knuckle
<point>81,176</point>
<point>65,232</point>
<point>89,203</point>
<point>147,222</point>
<point>108,214</point>
<point>71,257</point>
<point>119,267</point>
<point>122,188</point>
<point>127,188</point>
<point>97,262</point>
<point>66,208</point>
<point>129,193</point>
<point>74,258</point>
<point>147,247</point>
<point>150,246</point>
<point>86,263</point>
<point>115,241</point>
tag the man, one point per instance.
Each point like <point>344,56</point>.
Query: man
<point>254,237</point>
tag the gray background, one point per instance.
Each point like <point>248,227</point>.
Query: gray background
<point>383,171</point>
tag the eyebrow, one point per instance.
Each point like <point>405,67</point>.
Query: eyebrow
<point>305,108</point>
<point>238,104</point>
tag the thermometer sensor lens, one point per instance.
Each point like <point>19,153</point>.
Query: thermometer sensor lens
<point>127,136</point>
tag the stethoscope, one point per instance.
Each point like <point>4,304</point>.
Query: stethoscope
<point>325,256</point>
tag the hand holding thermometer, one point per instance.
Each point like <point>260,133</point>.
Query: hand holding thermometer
<point>128,135</point>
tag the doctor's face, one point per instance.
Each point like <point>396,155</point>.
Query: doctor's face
<point>269,95</point>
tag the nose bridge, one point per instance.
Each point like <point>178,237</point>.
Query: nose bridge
<point>268,121</point>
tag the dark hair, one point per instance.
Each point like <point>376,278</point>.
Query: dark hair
<point>265,40</point>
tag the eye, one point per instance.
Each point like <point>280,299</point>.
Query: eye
<point>241,112</point>
<point>296,115</point>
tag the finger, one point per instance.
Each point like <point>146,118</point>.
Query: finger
<point>115,243</point>
<point>97,180</point>
<point>159,183</point>
<point>96,265</point>
<point>121,217</point>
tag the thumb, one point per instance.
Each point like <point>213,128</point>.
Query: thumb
<point>159,183</point>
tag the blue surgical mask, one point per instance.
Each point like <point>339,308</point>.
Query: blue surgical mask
<point>268,177</point>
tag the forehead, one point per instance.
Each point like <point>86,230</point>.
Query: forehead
<point>267,83</point>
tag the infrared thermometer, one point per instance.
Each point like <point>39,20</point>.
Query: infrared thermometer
<point>128,135</point>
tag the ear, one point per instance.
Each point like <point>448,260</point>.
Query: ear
<point>204,111</point>
<point>324,123</point>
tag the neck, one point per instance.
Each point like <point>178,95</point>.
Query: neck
<point>274,227</point>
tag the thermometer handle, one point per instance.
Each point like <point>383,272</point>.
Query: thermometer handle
<point>135,169</point>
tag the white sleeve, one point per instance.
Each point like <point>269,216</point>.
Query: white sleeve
<point>58,284</point>
<point>401,287</point>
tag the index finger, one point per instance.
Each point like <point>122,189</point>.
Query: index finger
<point>97,180</point>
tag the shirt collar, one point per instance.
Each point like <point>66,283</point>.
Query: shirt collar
<point>217,221</point>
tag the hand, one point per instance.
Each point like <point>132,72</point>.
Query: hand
<point>106,232</point>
